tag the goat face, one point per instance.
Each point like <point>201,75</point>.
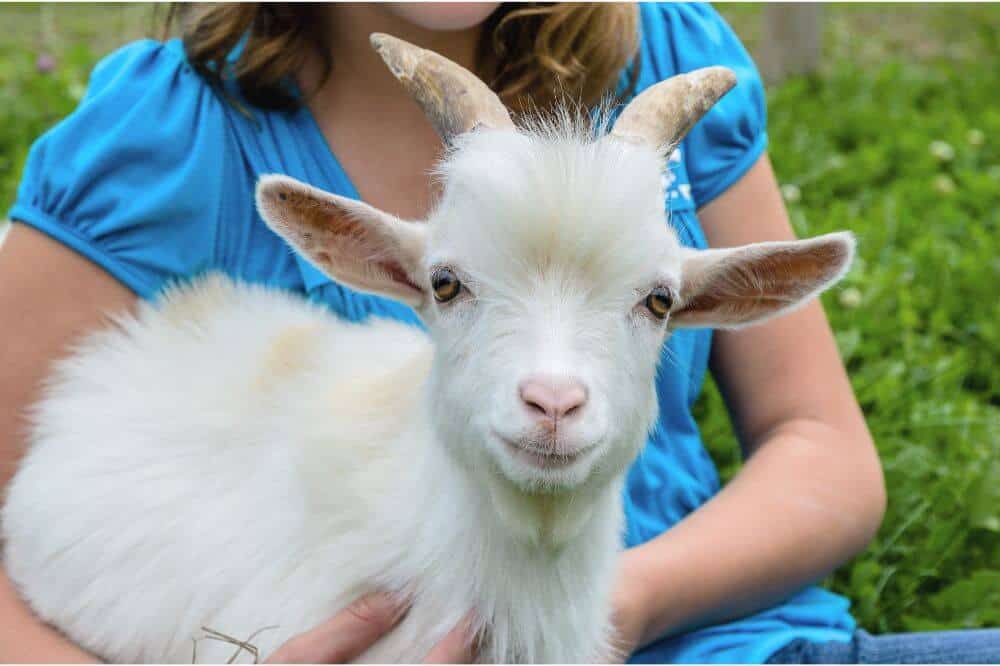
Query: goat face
<point>546,273</point>
<point>567,269</point>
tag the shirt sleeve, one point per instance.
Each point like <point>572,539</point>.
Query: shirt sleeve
<point>132,179</point>
<point>729,139</point>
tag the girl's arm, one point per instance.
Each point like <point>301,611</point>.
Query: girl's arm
<point>48,296</point>
<point>811,493</point>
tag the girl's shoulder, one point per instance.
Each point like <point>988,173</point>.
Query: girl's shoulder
<point>681,37</point>
<point>145,66</point>
<point>138,176</point>
<point>148,89</point>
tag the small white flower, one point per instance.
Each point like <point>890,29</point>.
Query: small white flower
<point>850,297</point>
<point>942,151</point>
<point>943,184</point>
<point>791,193</point>
<point>975,137</point>
<point>836,161</point>
<point>76,91</point>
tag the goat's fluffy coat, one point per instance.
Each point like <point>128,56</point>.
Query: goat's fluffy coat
<point>237,458</point>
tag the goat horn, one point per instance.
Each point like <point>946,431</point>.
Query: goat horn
<point>662,114</point>
<point>455,100</point>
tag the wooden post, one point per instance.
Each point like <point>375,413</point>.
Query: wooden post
<point>793,39</point>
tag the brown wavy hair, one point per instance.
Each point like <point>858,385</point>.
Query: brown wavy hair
<point>530,53</point>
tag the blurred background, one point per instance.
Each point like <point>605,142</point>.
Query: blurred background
<point>883,119</point>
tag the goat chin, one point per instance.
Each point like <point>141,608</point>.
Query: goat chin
<point>235,458</point>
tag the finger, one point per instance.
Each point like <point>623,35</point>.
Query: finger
<point>457,647</point>
<point>346,635</point>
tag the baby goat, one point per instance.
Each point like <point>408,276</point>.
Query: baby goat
<point>237,458</point>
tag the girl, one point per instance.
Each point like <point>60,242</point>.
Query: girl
<point>151,179</point>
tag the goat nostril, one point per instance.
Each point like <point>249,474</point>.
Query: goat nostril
<point>537,399</point>
<point>534,406</point>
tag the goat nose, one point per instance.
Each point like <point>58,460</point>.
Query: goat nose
<point>554,397</point>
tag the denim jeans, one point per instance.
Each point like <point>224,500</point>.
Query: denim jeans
<point>973,646</point>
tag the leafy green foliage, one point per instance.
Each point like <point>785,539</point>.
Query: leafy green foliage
<point>33,103</point>
<point>895,138</point>
<point>46,54</point>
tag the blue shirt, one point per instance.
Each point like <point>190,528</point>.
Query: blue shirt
<point>152,178</point>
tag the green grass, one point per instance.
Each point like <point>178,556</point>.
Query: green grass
<point>857,146</point>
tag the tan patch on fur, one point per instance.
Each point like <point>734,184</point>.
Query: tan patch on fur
<point>382,400</point>
<point>197,302</point>
<point>288,354</point>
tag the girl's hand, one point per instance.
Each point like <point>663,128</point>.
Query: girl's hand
<point>629,614</point>
<point>350,632</point>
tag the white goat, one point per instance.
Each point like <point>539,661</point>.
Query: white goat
<point>237,458</point>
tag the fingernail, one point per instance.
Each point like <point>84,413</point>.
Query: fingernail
<point>401,602</point>
<point>469,626</point>
<point>382,603</point>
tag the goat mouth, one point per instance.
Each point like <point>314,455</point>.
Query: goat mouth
<point>540,457</point>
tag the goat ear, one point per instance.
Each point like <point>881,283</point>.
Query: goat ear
<point>734,287</point>
<point>348,240</point>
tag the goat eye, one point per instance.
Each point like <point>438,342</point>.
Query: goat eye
<point>445,284</point>
<point>659,302</point>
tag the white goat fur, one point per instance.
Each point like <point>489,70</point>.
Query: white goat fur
<point>237,458</point>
